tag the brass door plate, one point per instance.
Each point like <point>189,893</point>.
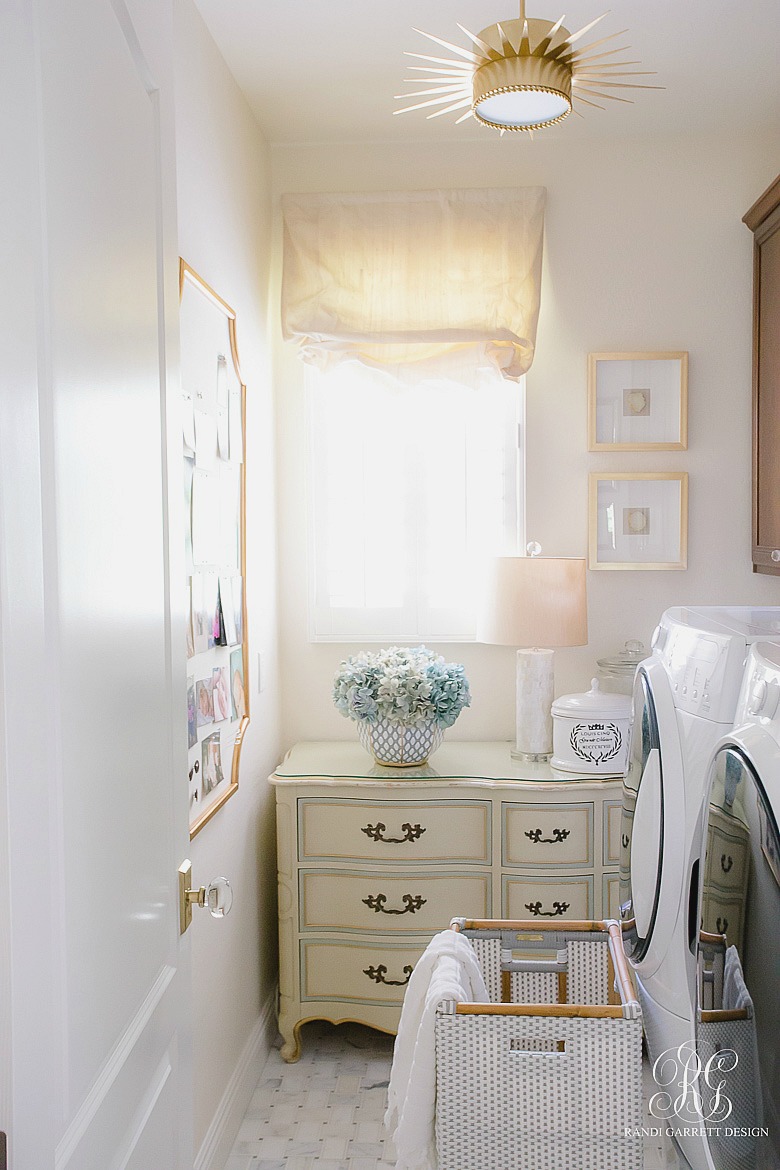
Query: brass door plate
<point>185,905</point>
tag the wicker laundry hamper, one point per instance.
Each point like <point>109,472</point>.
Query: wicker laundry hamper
<point>731,1030</point>
<point>548,1076</point>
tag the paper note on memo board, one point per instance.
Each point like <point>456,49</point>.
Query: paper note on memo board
<point>206,500</point>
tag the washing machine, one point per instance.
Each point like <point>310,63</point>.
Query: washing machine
<point>685,700</point>
<point>735,932</point>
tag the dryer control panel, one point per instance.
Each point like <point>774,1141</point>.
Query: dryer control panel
<point>705,668</point>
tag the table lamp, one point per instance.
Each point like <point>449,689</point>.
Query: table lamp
<point>534,601</point>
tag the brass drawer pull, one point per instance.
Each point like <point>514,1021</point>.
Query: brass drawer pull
<point>726,862</point>
<point>722,924</point>
<point>558,837</point>
<point>377,974</point>
<point>411,833</point>
<point>412,903</point>
<point>535,908</point>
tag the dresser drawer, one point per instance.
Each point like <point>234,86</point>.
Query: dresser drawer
<point>726,861</point>
<point>402,832</point>
<point>613,827</point>
<point>559,897</point>
<point>547,836</point>
<point>364,971</point>
<point>723,915</point>
<point>610,896</point>
<point>381,901</point>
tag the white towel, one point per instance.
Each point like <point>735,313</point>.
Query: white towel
<point>735,992</point>
<point>447,969</point>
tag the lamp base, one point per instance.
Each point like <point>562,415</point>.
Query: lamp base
<point>530,757</point>
<point>533,710</point>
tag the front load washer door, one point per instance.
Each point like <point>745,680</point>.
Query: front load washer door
<point>642,829</point>
<point>738,967</point>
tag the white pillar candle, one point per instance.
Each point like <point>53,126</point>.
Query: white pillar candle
<point>534,697</point>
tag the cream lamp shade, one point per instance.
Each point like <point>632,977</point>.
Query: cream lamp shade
<point>534,602</point>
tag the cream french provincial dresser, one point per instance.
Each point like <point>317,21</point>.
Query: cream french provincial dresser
<point>373,861</point>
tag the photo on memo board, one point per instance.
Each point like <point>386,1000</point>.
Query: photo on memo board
<point>204,701</point>
<point>227,612</point>
<point>215,502</point>
<point>237,696</point>
<point>220,693</point>
<point>192,720</point>
<point>211,764</point>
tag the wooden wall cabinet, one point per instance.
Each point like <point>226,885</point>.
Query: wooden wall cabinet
<point>763,219</point>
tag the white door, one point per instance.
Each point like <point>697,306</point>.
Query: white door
<point>91,691</point>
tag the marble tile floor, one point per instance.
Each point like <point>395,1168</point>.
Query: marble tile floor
<point>325,1112</point>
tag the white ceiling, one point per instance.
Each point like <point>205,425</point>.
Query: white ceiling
<point>315,71</point>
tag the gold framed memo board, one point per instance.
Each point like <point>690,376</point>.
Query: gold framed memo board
<point>214,466</point>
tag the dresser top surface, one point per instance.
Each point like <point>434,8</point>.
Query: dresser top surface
<point>457,761</point>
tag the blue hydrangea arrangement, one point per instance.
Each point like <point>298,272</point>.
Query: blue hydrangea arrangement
<point>406,686</point>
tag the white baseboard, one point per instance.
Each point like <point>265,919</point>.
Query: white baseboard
<point>221,1134</point>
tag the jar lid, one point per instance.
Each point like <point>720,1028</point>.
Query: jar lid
<point>627,660</point>
<point>593,703</point>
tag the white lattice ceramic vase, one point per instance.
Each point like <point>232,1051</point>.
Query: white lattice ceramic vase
<point>398,746</point>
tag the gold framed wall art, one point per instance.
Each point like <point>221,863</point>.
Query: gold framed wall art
<point>638,520</point>
<point>638,401</point>
<point>214,454</point>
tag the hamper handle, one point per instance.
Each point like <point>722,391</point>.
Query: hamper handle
<point>555,1060</point>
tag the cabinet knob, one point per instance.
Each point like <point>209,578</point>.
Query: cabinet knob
<point>776,555</point>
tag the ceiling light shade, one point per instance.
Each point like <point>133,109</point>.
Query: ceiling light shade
<point>520,74</point>
<point>520,93</point>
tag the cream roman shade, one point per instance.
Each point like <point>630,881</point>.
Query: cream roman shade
<point>411,276</point>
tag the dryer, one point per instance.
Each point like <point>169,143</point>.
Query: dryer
<point>685,698</point>
<point>736,937</point>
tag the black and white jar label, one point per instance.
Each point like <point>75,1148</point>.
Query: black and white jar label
<point>596,743</point>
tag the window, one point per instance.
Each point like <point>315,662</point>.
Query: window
<point>410,486</point>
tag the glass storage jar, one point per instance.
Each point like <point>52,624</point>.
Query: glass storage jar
<point>616,672</point>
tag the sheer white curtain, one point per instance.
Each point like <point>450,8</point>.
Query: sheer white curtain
<point>406,277</point>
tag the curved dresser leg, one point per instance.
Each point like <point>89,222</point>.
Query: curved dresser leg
<point>291,1049</point>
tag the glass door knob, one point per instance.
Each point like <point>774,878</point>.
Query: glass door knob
<point>217,897</point>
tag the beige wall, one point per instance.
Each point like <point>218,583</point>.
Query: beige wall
<point>224,226</point>
<point>645,249</point>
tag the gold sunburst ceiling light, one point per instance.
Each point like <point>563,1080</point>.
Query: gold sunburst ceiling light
<point>521,74</point>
